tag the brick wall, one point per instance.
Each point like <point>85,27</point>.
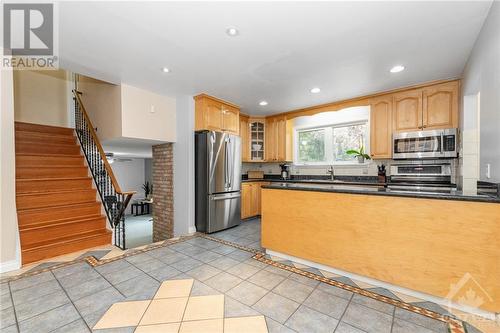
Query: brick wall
<point>163,192</point>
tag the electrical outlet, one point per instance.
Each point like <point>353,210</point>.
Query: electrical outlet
<point>365,171</point>
<point>488,170</point>
<point>152,110</point>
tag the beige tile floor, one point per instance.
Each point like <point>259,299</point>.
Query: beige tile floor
<point>173,309</point>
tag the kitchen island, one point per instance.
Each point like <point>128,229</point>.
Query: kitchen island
<point>421,242</point>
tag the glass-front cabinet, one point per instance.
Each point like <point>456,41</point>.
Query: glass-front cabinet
<point>257,135</point>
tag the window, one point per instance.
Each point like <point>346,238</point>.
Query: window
<point>311,145</point>
<point>328,145</point>
<point>345,138</point>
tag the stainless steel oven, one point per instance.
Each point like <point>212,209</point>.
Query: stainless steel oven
<point>425,144</point>
<point>428,178</point>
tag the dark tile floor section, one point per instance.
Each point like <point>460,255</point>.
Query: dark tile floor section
<point>73,298</point>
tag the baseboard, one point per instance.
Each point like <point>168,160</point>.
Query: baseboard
<point>377,283</point>
<point>10,265</point>
<point>191,229</point>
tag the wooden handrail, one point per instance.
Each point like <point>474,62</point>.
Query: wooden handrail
<point>99,147</point>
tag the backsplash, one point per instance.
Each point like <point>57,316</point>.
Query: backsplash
<point>367,169</point>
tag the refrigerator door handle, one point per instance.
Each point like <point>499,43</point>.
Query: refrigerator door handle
<point>226,197</point>
<point>226,164</point>
<point>229,157</point>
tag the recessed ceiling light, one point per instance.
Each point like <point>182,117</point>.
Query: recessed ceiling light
<point>315,90</point>
<point>165,70</point>
<point>232,31</point>
<point>263,103</point>
<point>397,69</point>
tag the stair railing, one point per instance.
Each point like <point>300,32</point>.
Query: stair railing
<point>115,201</point>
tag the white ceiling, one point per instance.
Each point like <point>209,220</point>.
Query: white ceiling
<point>283,50</point>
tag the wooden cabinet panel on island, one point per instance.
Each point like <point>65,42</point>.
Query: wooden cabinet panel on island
<point>216,115</point>
<point>381,127</point>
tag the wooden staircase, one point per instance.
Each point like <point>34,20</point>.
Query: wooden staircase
<point>57,207</point>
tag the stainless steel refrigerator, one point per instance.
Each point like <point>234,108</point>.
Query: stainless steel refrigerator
<point>217,181</point>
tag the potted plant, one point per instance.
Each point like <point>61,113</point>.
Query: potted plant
<point>148,188</point>
<point>359,154</point>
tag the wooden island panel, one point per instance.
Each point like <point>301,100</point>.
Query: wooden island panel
<point>422,244</point>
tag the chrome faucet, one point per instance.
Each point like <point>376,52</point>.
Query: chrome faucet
<point>331,171</point>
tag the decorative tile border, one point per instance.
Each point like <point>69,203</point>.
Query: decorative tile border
<point>454,325</point>
<point>94,262</point>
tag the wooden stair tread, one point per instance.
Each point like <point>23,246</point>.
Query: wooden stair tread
<point>50,179</point>
<point>20,133</point>
<point>73,238</point>
<point>30,127</point>
<point>81,204</point>
<point>49,155</point>
<point>52,167</point>
<point>56,192</point>
<point>70,220</point>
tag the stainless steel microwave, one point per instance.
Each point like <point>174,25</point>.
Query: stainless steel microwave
<point>425,144</point>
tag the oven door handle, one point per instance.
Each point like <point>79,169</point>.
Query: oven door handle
<point>442,143</point>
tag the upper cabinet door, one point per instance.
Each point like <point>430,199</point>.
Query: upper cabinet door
<point>440,106</point>
<point>381,127</point>
<point>281,139</point>
<point>230,119</point>
<point>407,111</point>
<point>271,146</point>
<point>245,138</point>
<point>213,115</point>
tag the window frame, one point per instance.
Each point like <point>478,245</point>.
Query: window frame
<point>329,130</point>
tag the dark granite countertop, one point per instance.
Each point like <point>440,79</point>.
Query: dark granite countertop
<point>375,189</point>
<point>306,179</point>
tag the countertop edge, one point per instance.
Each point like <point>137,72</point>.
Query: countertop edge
<point>389,194</point>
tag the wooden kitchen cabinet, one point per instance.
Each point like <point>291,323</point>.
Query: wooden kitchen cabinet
<point>257,139</point>
<point>381,127</point>
<point>276,139</point>
<point>251,199</point>
<point>440,106</point>
<point>432,107</point>
<point>407,111</point>
<point>216,115</point>
<point>245,138</point>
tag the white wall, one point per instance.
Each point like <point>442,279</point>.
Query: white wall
<point>146,115</point>
<point>102,103</point>
<point>482,75</point>
<point>9,235</point>
<point>41,97</point>
<point>184,167</point>
<point>130,175</point>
